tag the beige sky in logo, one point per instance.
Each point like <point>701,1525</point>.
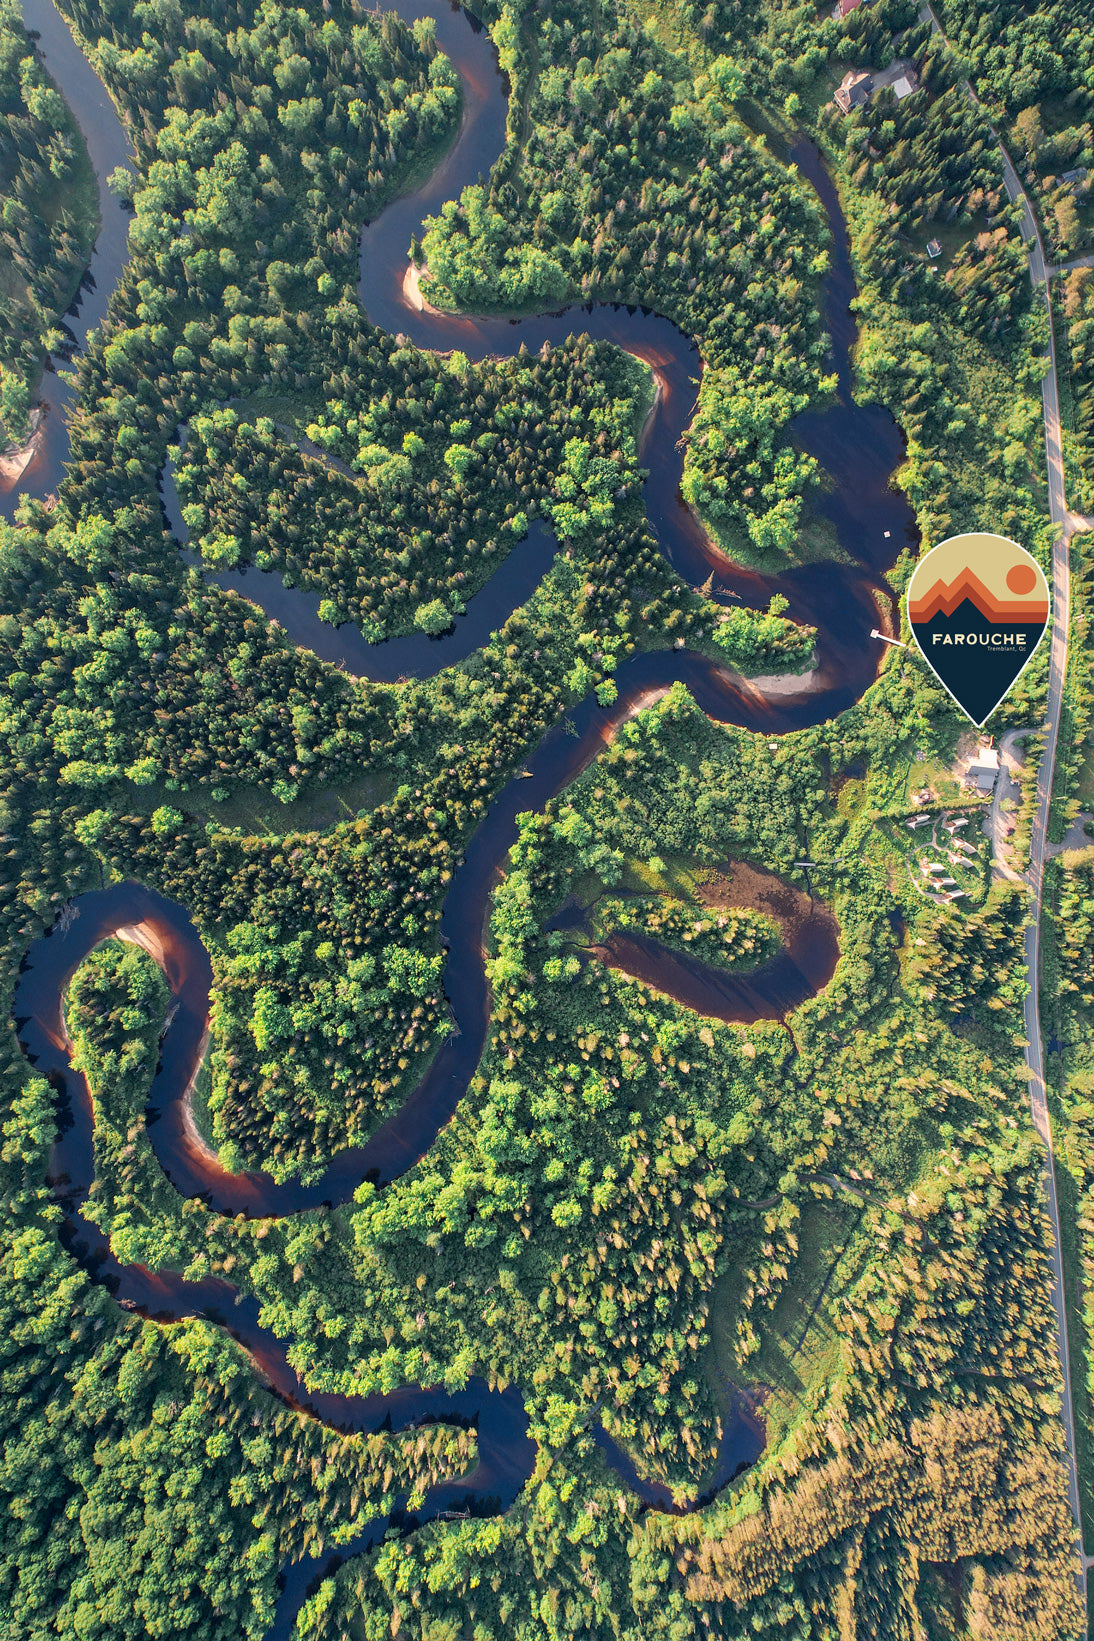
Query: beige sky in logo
<point>991,559</point>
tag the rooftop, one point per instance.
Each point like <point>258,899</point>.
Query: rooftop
<point>859,85</point>
<point>983,769</point>
<point>854,90</point>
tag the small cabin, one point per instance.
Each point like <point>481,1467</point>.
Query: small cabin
<point>854,90</point>
<point>983,769</point>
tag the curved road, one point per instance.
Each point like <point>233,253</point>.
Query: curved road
<point>1061,610</point>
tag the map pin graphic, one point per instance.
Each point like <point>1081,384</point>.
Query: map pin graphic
<point>978,608</point>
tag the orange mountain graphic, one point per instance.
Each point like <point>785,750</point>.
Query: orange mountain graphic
<point>944,600</point>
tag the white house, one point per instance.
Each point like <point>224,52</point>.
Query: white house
<point>983,769</point>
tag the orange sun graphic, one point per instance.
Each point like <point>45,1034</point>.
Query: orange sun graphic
<point>1021,579</point>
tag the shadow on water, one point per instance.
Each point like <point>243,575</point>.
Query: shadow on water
<point>108,147</point>
<point>742,1442</point>
<point>859,446</point>
<point>506,1452</point>
<point>803,965</point>
<point>769,992</point>
<point>414,656</point>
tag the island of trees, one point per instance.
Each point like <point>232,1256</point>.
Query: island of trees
<point>638,1212</point>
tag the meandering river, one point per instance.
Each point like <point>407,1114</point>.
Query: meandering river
<point>108,147</point>
<point>859,446</point>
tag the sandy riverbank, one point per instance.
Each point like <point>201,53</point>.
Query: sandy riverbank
<point>195,1139</point>
<point>14,462</point>
<point>412,291</point>
<point>146,937</point>
<point>785,683</point>
<point>658,395</point>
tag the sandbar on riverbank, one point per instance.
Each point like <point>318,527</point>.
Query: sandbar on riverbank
<point>17,458</point>
<point>783,683</point>
<point>203,1148</point>
<point>147,938</point>
<point>655,405</point>
<point>412,291</point>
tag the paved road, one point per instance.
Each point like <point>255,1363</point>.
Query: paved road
<point>1005,787</point>
<point>1061,601</point>
<point>1061,623</point>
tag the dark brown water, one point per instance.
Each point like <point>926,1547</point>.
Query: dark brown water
<point>769,992</point>
<point>108,147</point>
<point>803,966</point>
<point>860,447</point>
<point>413,656</point>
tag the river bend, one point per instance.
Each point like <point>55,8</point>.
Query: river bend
<point>860,446</point>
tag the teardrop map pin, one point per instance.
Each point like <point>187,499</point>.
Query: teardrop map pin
<point>978,608</point>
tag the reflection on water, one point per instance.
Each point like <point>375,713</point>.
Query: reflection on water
<point>859,446</point>
<point>108,147</point>
<point>415,655</point>
<point>804,964</point>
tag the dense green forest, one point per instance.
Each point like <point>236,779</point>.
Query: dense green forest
<point>1067,998</point>
<point>1032,65</point>
<point>417,526</point>
<point>49,213</point>
<point>1075,307</point>
<point>956,336</point>
<point>636,183</point>
<point>954,347</point>
<point>635,1207</point>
